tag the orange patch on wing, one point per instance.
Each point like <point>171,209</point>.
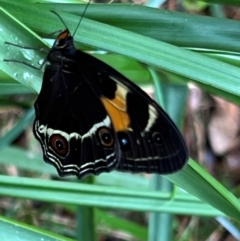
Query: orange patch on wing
<point>116,109</point>
<point>119,102</point>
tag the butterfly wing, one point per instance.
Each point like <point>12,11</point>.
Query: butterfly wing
<point>91,119</point>
<point>71,124</point>
<point>148,140</point>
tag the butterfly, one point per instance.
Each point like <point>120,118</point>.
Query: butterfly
<point>91,119</point>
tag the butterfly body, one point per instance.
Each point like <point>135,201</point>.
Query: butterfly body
<point>91,119</point>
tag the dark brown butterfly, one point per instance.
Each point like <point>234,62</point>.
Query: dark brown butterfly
<point>91,119</point>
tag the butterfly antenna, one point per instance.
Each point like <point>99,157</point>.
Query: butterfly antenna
<point>60,18</point>
<point>82,17</point>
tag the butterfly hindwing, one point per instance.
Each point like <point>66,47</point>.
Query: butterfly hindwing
<point>70,113</point>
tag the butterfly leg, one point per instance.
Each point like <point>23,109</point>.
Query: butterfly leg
<point>25,63</point>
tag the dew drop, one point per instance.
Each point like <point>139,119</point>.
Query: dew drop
<point>40,62</point>
<point>27,76</point>
<point>16,75</point>
<point>28,54</point>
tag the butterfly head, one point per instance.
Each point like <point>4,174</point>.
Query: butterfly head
<point>64,43</point>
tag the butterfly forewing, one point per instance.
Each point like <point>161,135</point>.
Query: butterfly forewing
<point>154,144</point>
